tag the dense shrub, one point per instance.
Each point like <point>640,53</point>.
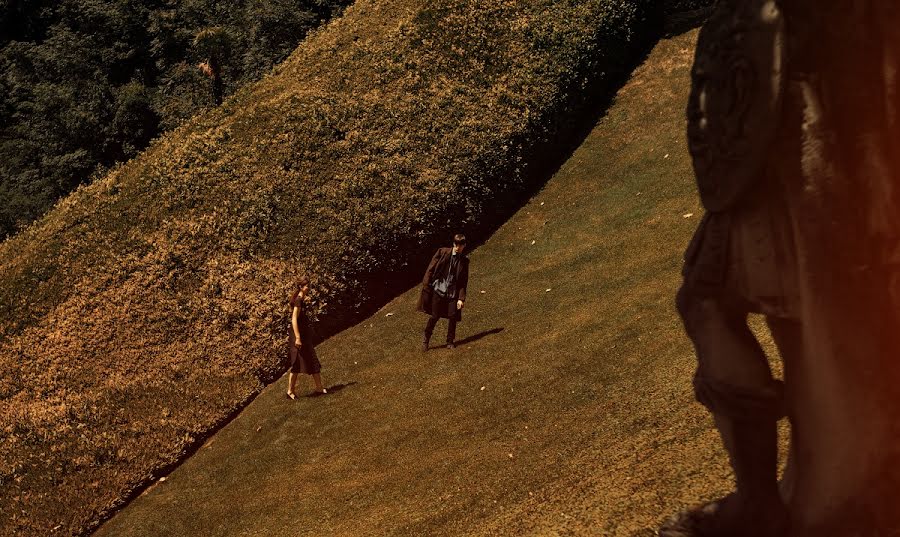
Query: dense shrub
<point>87,83</point>
<point>149,304</point>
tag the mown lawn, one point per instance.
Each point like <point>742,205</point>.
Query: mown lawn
<point>567,408</point>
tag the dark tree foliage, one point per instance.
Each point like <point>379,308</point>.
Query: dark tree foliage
<point>88,83</point>
<point>680,6</point>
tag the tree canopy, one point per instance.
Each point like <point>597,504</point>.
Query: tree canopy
<point>88,83</point>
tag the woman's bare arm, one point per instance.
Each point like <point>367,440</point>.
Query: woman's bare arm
<point>294,325</point>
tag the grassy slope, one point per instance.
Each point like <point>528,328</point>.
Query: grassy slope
<point>567,411</point>
<point>147,306</point>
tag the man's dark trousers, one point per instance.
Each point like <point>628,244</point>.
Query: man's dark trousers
<point>441,306</point>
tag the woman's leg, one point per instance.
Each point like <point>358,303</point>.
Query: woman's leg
<point>292,383</point>
<point>317,378</point>
<point>293,354</point>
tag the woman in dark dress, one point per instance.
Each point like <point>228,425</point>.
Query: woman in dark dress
<point>301,344</point>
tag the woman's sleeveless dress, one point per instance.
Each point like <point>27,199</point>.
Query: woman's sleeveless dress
<point>303,360</point>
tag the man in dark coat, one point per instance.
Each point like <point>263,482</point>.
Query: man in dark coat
<point>444,289</point>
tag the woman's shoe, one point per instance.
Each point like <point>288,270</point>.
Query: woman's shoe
<point>291,395</point>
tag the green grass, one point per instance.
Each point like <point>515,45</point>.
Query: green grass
<point>571,414</point>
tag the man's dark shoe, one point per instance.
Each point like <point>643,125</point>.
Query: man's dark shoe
<point>425,344</point>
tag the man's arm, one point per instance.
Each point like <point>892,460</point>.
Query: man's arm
<point>462,284</point>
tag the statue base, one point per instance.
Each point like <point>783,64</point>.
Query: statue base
<point>727,517</point>
<point>684,524</point>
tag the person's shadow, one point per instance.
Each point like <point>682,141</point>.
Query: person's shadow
<point>332,389</point>
<point>476,337</point>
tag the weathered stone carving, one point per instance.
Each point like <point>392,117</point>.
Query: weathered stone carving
<point>829,174</point>
<point>735,99</point>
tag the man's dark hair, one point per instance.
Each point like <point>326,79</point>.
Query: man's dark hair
<point>459,238</point>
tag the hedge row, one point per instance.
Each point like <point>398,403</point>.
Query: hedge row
<point>149,305</point>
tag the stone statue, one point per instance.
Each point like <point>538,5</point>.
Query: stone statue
<point>740,260</point>
<point>794,132</point>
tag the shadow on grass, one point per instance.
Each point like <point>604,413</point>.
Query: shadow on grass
<point>332,389</point>
<point>469,339</point>
<point>479,335</point>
